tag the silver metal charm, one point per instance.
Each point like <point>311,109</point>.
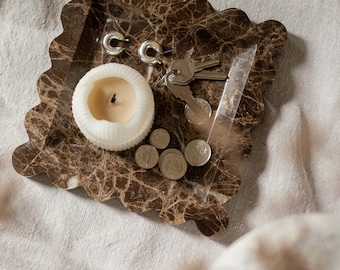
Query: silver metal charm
<point>108,38</point>
<point>144,52</point>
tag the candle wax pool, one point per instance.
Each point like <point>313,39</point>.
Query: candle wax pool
<point>112,99</point>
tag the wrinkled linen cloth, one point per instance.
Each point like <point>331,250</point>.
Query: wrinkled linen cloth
<point>293,169</point>
<point>298,242</point>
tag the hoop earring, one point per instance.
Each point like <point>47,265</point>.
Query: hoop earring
<point>144,52</point>
<point>107,45</point>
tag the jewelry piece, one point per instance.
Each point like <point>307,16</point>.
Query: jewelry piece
<point>144,52</point>
<point>107,45</point>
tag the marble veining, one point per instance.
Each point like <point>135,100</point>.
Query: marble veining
<point>192,28</point>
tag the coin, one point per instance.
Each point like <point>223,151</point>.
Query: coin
<point>146,156</point>
<point>160,138</point>
<point>194,118</point>
<point>197,152</point>
<point>172,164</point>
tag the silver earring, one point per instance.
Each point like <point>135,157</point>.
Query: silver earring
<point>108,38</point>
<point>143,52</point>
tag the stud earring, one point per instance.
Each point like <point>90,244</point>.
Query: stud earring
<point>108,40</point>
<point>149,51</point>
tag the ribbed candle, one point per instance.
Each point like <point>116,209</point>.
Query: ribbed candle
<point>113,106</point>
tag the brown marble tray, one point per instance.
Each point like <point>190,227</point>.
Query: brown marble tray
<point>57,148</point>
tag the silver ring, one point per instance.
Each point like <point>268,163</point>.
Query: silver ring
<point>143,52</point>
<point>109,49</point>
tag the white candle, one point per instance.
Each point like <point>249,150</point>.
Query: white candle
<point>112,99</point>
<point>113,106</point>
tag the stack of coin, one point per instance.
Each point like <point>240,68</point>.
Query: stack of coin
<point>172,164</point>
<point>146,155</point>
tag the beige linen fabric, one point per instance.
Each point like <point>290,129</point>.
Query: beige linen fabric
<point>294,166</point>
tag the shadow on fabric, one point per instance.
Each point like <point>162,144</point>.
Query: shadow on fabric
<point>282,91</point>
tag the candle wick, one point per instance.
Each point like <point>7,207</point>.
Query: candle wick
<point>113,99</point>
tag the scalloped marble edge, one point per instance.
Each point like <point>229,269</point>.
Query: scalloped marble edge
<point>73,182</point>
